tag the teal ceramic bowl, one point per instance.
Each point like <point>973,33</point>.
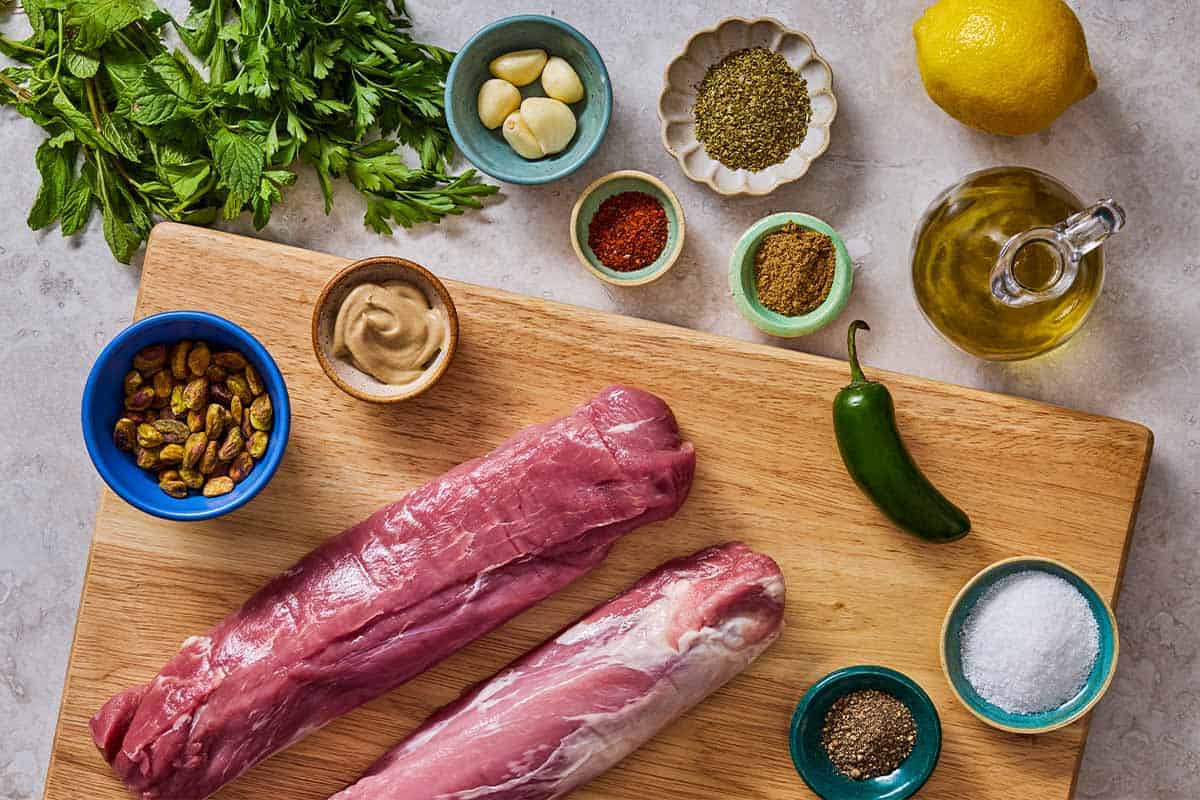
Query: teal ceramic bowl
<point>488,150</point>
<point>627,180</point>
<point>1093,689</point>
<point>745,296</point>
<point>814,766</point>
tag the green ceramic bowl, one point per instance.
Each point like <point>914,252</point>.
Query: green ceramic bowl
<point>741,279</point>
<point>488,150</point>
<point>627,180</point>
<point>814,766</point>
<point>1093,689</point>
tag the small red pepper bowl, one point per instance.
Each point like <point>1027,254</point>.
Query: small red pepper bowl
<point>614,183</point>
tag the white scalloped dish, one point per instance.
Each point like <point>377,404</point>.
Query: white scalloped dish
<point>679,95</point>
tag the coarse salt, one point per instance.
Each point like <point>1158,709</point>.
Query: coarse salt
<point>1029,643</point>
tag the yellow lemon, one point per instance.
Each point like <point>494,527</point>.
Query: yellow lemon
<point>1003,66</point>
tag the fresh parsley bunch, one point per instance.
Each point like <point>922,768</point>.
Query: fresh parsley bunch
<point>142,134</point>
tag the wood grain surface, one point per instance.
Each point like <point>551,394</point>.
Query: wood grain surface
<point>1036,479</point>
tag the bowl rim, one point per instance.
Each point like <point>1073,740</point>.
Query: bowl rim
<point>347,273</point>
<point>804,707</point>
<point>672,256</point>
<point>819,317</point>
<point>975,580</point>
<point>281,427</point>
<point>667,87</point>
<point>473,155</point>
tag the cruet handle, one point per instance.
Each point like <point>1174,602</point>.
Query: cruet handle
<point>1070,240</point>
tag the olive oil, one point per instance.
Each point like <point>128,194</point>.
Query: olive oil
<point>956,249</point>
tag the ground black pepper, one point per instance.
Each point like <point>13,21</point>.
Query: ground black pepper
<point>868,734</point>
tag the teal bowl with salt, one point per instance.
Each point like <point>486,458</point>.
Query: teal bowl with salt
<point>1093,688</point>
<point>812,762</point>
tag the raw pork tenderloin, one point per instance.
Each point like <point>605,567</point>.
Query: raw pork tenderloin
<point>567,711</point>
<point>397,593</point>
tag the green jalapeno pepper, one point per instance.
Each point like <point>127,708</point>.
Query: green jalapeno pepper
<point>864,420</point>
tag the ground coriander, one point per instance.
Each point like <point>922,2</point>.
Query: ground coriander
<point>752,109</point>
<point>868,733</point>
<point>793,269</point>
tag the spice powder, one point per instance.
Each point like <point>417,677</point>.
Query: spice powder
<point>793,269</point>
<point>628,231</point>
<point>868,734</point>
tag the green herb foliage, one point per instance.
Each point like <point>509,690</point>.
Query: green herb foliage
<point>141,134</point>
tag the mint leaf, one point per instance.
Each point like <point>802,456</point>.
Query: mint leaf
<point>239,163</point>
<point>122,137</point>
<point>55,167</point>
<point>95,22</point>
<point>80,123</point>
<point>81,65</point>
<point>186,180</point>
<point>174,76</point>
<point>77,206</point>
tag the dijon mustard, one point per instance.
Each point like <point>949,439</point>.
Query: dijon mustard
<point>389,331</point>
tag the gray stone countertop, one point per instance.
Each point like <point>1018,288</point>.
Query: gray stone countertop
<point>892,150</point>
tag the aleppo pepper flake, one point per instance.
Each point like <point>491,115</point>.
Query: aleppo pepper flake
<point>628,231</point>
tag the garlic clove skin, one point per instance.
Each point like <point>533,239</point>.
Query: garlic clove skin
<point>497,99</point>
<point>520,67</point>
<point>560,81</point>
<point>520,138</point>
<point>550,121</point>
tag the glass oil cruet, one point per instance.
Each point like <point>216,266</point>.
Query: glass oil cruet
<point>1006,264</point>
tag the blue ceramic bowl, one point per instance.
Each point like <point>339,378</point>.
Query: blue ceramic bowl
<point>814,766</point>
<point>488,150</point>
<point>103,404</point>
<point>1091,692</point>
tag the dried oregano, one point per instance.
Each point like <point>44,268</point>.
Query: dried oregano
<point>752,109</point>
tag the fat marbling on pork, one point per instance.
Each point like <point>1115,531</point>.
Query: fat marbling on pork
<point>567,711</point>
<point>393,595</point>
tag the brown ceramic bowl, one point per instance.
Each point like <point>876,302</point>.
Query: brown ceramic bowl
<point>375,270</point>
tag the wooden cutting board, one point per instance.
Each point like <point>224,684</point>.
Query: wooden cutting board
<point>1035,479</point>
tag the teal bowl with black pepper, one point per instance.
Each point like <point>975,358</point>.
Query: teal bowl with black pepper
<point>812,762</point>
<point>1099,677</point>
<point>745,295</point>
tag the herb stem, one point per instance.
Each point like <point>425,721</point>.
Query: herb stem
<point>22,47</point>
<point>21,92</point>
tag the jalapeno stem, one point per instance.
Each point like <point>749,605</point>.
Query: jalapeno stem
<point>856,373</point>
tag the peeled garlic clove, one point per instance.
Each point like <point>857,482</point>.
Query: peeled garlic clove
<point>552,123</point>
<point>560,81</point>
<point>520,67</point>
<point>497,99</point>
<point>520,138</point>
